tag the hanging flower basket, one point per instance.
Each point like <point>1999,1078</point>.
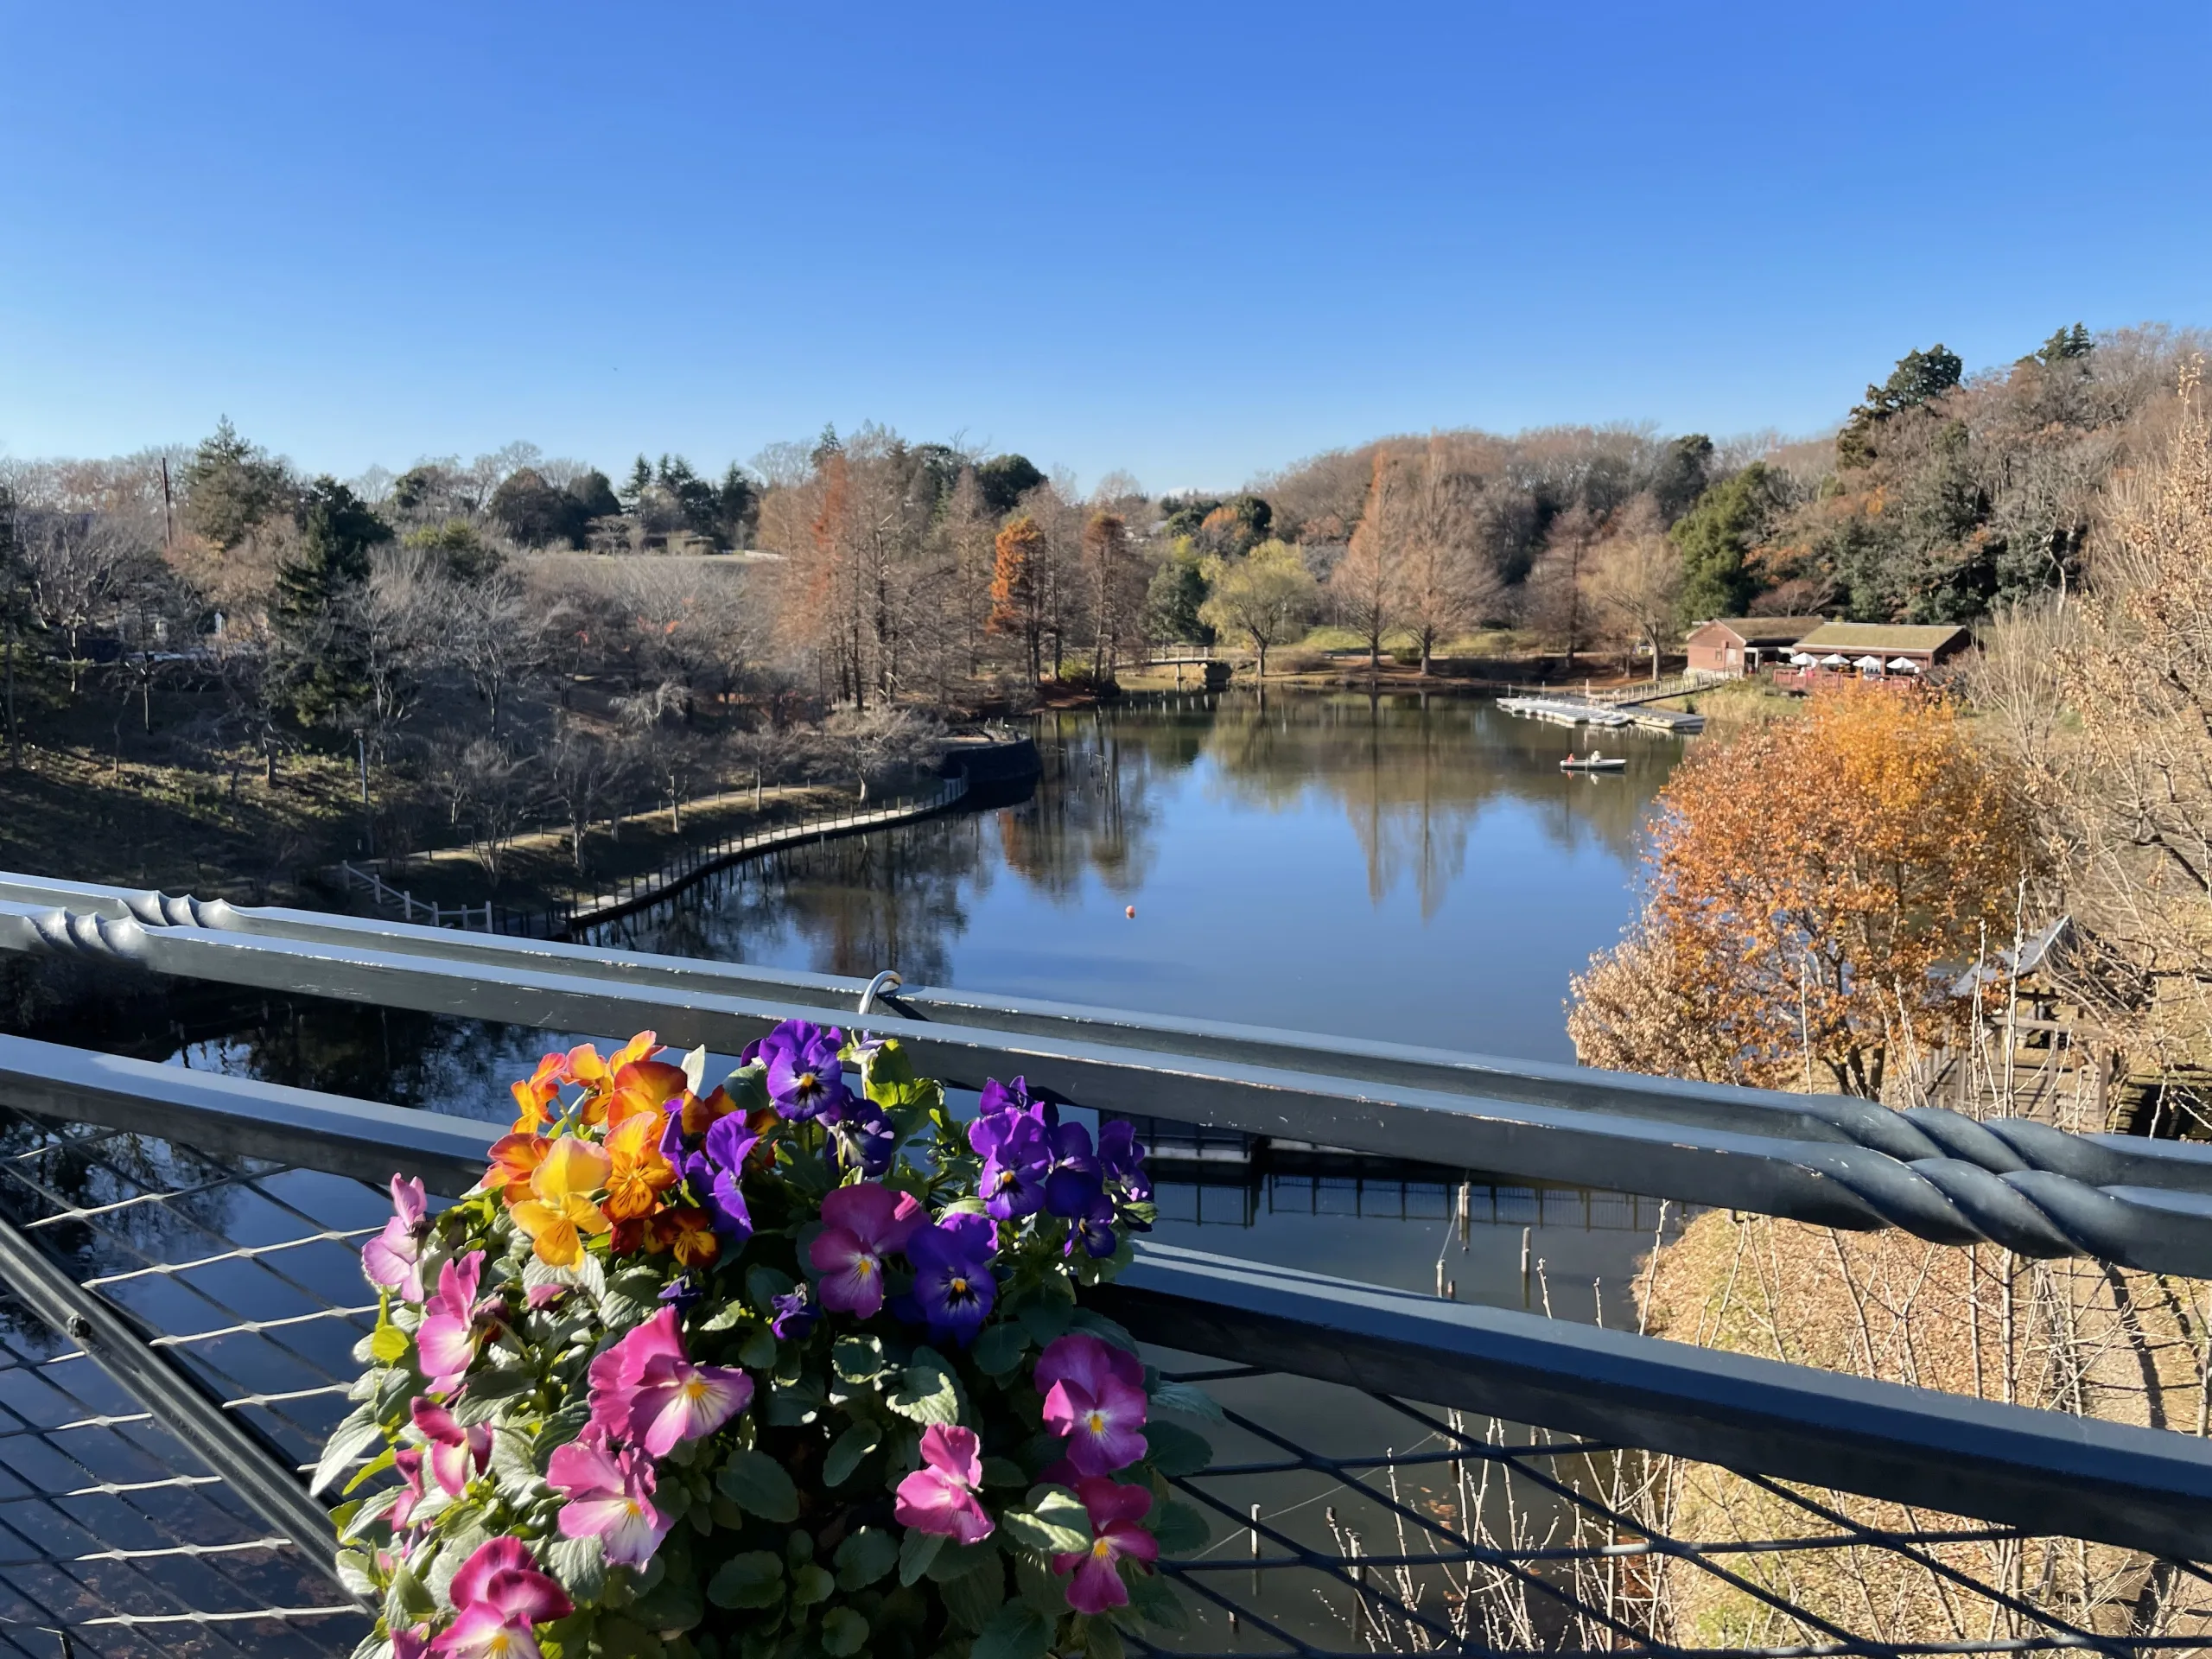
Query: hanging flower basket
<point>772,1369</point>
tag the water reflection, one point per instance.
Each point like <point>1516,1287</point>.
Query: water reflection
<point>1387,866</point>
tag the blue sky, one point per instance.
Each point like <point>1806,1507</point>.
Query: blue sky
<point>1192,241</point>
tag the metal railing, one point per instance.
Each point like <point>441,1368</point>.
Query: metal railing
<point>82,1240</point>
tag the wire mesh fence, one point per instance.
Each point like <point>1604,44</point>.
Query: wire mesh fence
<point>1332,1521</point>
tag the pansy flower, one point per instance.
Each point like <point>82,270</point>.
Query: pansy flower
<point>646,1390</point>
<point>392,1258</point>
<point>1016,1159</point>
<point>515,1159</point>
<point>641,1086</point>
<point>1094,1400</point>
<point>1093,1574</point>
<point>452,1450</point>
<point>560,1211</point>
<point>953,1286</point>
<point>795,1314</point>
<point>610,1497</point>
<point>940,1497</point>
<point>805,1077</point>
<point>637,1173</point>
<point>1122,1160</point>
<point>499,1596</point>
<point>863,1225</point>
<point>1074,1181</point>
<point>446,1342</point>
<point>540,1089</point>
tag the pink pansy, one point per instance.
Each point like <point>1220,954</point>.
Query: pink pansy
<point>392,1258</point>
<point>413,1643</point>
<point>610,1498</point>
<point>1094,1398</point>
<point>409,1462</point>
<point>645,1389</point>
<point>940,1496</point>
<point>863,1225</point>
<point>453,1448</point>
<point>540,1297</point>
<point>1115,1510</point>
<point>499,1594</point>
<point>446,1342</point>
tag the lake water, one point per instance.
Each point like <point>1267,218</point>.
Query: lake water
<point>1383,867</point>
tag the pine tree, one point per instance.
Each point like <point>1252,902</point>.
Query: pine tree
<point>324,654</point>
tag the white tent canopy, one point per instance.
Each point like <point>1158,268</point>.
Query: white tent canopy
<point>1833,660</point>
<point>1905,664</point>
<point>1803,658</point>
<point>1870,664</point>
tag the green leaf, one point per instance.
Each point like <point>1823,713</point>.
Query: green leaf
<point>1181,1529</point>
<point>1102,1640</point>
<point>729,1315</point>
<point>757,1483</point>
<point>1017,1630</point>
<point>1189,1399</point>
<point>1054,1523</point>
<point>1046,1322</point>
<point>858,1359</point>
<point>354,1435</point>
<point>1003,1471</point>
<point>1099,1326</point>
<point>488,1394</point>
<point>389,1344</point>
<point>353,1574</point>
<point>844,1632</point>
<point>385,1459</point>
<point>1177,1452</point>
<point>753,1580</point>
<point>925,1392</point>
<point>407,1600</point>
<point>374,1507</point>
<point>759,1350</point>
<point>973,1597</point>
<point>674,1604</point>
<point>580,1566</point>
<point>1000,1349</point>
<point>810,1584</point>
<point>847,1450</point>
<point>864,1557</point>
<point>793,1403</point>
<point>1153,1598</point>
<point>916,1551</point>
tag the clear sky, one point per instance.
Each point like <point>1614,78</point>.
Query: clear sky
<point>1189,240</point>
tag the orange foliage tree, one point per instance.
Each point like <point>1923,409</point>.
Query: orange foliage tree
<point>1816,887</point>
<point>1017,597</point>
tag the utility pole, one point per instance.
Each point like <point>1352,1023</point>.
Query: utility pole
<point>361,748</point>
<point>169,510</point>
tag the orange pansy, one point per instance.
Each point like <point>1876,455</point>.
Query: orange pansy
<point>641,1086</point>
<point>560,1210</point>
<point>691,1235</point>
<point>515,1159</point>
<point>638,1174</point>
<point>539,1091</point>
<point>700,1113</point>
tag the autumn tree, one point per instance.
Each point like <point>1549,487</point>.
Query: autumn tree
<point>1633,581</point>
<point>1017,596</point>
<point>1439,513</point>
<point>1555,602</point>
<point>1815,885</point>
<point>1268,596</point>
<point>1110,562</point>
<point>1364,587</point>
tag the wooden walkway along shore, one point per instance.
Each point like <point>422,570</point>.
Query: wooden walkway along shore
<point>640,891</point>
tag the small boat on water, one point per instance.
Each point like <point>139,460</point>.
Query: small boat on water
<point>1593,762</point>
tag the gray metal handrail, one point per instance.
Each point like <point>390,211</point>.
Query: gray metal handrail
<point>1824,1159</point>
<point>2140,1488</point>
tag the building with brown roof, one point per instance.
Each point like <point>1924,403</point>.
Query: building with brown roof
<point>1871,648</point>
<point>1733,646</point>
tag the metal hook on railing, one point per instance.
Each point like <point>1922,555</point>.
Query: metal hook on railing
<point>882,985</point>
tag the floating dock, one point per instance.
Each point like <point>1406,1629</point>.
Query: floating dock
<point>1574,711</point>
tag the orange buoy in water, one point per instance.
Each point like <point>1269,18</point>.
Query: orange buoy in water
<point>1131,911</point>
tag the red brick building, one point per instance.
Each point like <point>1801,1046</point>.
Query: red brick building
<point>1736,645</point>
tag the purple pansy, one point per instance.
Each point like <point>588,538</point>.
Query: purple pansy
<point>1122,1160</point>
<point>795,1314</point>
<point>864,1138</point>
<point>1094,1229</point>
<point>805,1077</point>
<point>1075,1182</point>
<point>716,1172</point>
<point>1016,1159</point>
<point>953,1286</point>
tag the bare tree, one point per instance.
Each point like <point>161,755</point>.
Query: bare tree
<point>1445,581</point>
<point>1364,585</point>
<point>503,794</point>
<point>1633,579</point>
<point>403,616</point>
<point>497,638</point>
<point>81,568</point>
<point>581,772</point>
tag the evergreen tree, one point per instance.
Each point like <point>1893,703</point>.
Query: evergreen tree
<point>230,486</point>
<point>735,504</point>
<point>641,479</point>
<point>1682,475</point>
<point>324,655</point>
<point>1918,377</point>
<point>2066,345</point>
<point>1714,536</point>
<point>1005,480</point>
